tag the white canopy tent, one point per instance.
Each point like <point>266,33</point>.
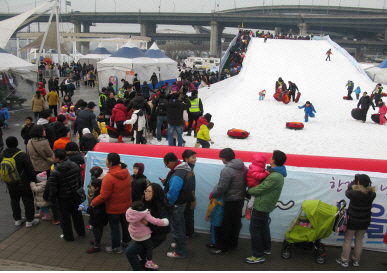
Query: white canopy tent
<point>128,58</point>
<point>167,66</point>
<point>378,73</point>
<point>98,54</point>
<point>17,67</point>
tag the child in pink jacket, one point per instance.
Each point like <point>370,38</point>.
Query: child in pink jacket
<point>255,175</point>
<point>140,232</point>
<point>382,112</point>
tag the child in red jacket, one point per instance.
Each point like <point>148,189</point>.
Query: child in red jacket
<point>119,115</point>
<point>255,175</point>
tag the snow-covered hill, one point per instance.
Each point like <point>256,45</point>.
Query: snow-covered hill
<point>234,103</point>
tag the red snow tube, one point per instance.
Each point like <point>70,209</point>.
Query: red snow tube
<point>285,98</point>
<point>153,96</point>
<point>112,132</point>
<point>186,126</point>
<point>298,97</point>
<point>372,95</point>
<point>294,125</point>
<point>164,132</point>
<point>384,94</point>
<point>276,96</point>
<point>237,133</point>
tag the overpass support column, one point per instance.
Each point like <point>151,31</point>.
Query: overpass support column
<point>146,28</point>
<point>216,31</point>
<point>86,45</point>
<point>303,29</point>
<point>385,36</point>
<point>77,29</point>
<point>358,54</point>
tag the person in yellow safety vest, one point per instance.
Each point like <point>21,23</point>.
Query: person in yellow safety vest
<point>102,99</point>
<point>195,111</point>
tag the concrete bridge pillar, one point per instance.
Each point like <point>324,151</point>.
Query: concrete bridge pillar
<point>197,29</point>
<point>385,36</point>
<point>146,28</point>
<point>86,45</point>
<point>277,31</point>
<point>77,29</point>
<point>359,54</point>
<point>303,29</point>
<point>216,31</point>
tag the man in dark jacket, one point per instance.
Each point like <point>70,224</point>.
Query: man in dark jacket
<point>110,88</point>
<point>51,84</point>
<point>70,88</point>
<point>365,103</point>
<point>232,186</point>
<point>21,189</point>
<point>65,179</point>
<point>87,119</point>
<point>178,189</point>
<point>175,109</point>
<point>195,111</point>
<point>26,130</point>
<point>57,125</point>
<point>125,84</point>
<point>292,90</point>
<point>137,83</point>
<point>160,110</point>
<point>154,80</point>
<point>141,102</point>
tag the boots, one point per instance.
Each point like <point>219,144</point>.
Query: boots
<point>120,139</point>
<point>47,217</point>
<point>39,215</point>
<point>189,132</point>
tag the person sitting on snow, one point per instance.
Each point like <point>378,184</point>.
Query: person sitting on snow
<point>309,110</point>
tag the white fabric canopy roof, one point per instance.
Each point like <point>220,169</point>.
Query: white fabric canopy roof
<point>98,54</point>
<point>17,66</point>
<point>8,26</point>
<point>128,58</point>
<point>167,66</point>
<point>377,74</point>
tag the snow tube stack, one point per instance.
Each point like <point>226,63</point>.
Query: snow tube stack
<point>295,125</point>
<point>238,133</point>
<point>356,113</point>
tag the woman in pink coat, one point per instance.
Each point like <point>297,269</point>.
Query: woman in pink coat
<point>382,112</point>
<point>140,232</point>
<point>255,175</point>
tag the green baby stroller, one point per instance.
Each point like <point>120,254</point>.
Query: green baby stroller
<point>315,221</point>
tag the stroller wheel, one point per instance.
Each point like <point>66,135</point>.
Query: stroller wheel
<point>320,259</point>
<point>285,254</point>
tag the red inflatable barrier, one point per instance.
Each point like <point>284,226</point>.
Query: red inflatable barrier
<point>237,133</point>
<point>307,161</point>
<point>295,125</point>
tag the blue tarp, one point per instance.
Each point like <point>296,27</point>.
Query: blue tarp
<point>130,53</point>
<point>101,50</point>
<point>383,64</point>
<point>156,54</point>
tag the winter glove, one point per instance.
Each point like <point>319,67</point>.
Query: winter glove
<point>211,141</point>
<point>299,107</point>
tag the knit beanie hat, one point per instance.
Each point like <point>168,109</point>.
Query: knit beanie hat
<point>96,171</point>
<point>64,108</point>
<point>208,117</point>
<point>104,130</point>
<point>72,108</point>
<point>140,167</point>
<point>41,176</point>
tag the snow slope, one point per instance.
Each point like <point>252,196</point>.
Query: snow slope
<point>234,103</point>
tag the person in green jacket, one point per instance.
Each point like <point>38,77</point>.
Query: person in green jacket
<point>267,194</point>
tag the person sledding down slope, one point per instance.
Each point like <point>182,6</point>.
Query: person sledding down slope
<point>350,85</point>
<point>309,110</point>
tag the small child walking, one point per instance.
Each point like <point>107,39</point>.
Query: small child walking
<point>255,175</point>
<point>98,217</point>
<point>309,110</point>
<point>104,136</point>
<point>262,95</point>
<point>38,188</point>
<point>357,92</point>
<point>140,232</point>
<point>4,115</point>
<point>215,215</point>
<point>203,136</point>
<point>138,122</point>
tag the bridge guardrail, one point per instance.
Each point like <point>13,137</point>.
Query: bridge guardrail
<point>346,54</point>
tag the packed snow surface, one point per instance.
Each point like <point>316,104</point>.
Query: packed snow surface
<point>234,103</point>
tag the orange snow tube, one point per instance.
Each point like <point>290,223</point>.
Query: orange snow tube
<point>276,96</point>
<point>294,125</point>
<point>238,133</point>
<point>285,98</point>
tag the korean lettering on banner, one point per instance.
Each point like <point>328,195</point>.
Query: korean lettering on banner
<point>376,231</point>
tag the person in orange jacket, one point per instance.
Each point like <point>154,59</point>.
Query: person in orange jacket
<point>329,53</point>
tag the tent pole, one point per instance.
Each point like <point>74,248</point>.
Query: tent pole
<point>58,34</point>
<point>44,37</point>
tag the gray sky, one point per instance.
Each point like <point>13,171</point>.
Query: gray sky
<point>18,6</point>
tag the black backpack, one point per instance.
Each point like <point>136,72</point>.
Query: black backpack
<point>162,107</point>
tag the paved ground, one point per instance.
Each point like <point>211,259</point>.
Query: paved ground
<point>40,248</point>
<point>41,245</point>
